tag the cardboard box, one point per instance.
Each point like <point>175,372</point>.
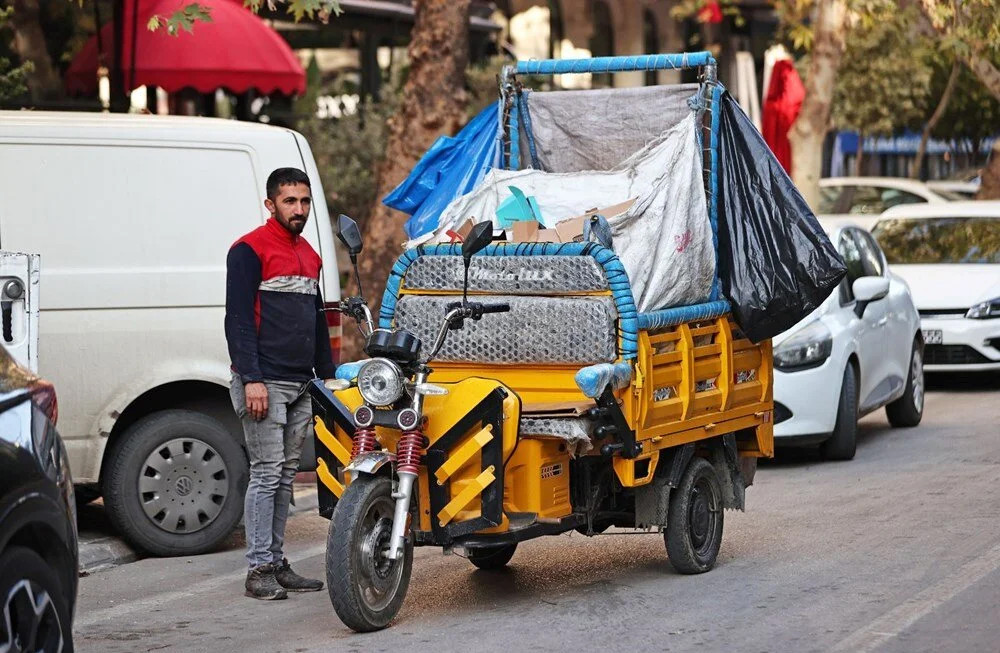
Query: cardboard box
<point>524,231</point>
<point>462,231</point>
<point>571,229</point>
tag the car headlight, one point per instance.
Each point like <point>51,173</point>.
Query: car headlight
<point>809,347</point>
<point>380,382</point>
<point>985,310</point>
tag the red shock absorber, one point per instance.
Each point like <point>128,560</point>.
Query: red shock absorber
<point>409,450</point>
<point>364,441</point>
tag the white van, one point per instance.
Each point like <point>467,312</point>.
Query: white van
<point>133,217</point>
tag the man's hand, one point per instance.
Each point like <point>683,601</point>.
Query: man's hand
<point>256,397</point>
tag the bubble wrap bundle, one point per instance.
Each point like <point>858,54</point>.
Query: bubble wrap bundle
<point>537,330</point>
<point>522,275</point>
<point>576,431</point>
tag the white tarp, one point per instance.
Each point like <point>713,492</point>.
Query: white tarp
<point>664,240</point>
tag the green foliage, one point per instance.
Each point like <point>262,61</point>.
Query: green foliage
<point>347,152</point>
<point>13,79</point>
<point>884,76</point>
<point>972,113</point>
<point>186,17</point>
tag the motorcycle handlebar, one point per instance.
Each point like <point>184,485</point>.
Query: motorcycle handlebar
<point>496,308</point>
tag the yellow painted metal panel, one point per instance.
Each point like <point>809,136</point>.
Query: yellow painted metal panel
<point>462,453</point>
<point>465,497</point>
<point>328,479</point>
<point>330,441</point>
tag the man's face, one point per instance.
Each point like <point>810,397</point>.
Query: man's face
<point>291,206</point>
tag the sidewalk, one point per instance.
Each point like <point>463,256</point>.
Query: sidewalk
<point>101,549</point>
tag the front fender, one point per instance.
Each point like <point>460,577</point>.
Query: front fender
<point>370,463</point>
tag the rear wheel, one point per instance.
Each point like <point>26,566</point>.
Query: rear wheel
<point>493,557</point>
<point>366,588</point>
<point>843,442</point>
<point>909,409</point>
<point>175,483</point>
<point>694,521</point>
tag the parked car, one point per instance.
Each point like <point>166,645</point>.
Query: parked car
<point>861,350</point>
<point>133,217</point>
<point>38,540</point>
<point>954,190</point>
<point>859,200</point>
<point>950,257</point>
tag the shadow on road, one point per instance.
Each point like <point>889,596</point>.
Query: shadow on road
<point>967,382</point>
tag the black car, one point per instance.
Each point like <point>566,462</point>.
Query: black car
<point>38,539</point>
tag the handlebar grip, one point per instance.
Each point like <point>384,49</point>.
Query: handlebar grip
<point>496,308</point>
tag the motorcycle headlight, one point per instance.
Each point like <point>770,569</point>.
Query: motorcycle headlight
<point>985,310</point>
<point>809,347</point>
<point>380,382</point>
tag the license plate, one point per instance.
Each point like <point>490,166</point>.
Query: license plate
<point>933,336</point>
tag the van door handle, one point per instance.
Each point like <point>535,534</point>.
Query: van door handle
<point>6,307</point>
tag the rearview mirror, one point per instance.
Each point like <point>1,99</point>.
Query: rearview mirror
<point>480,236</point>
<point>349,234</point>
<point>867,290</point>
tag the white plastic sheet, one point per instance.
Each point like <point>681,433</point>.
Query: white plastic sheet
<point>664,240</point>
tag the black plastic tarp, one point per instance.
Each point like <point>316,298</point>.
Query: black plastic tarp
<point>775,262</point>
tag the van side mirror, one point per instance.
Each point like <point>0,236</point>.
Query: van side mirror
<point>867,290</point>
<point>350,235</point>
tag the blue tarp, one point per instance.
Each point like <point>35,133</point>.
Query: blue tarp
<point>451,168</point>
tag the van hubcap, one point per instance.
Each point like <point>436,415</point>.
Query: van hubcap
<point>183,485</point>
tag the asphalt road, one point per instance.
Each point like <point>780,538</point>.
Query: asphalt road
<point>897,550</point>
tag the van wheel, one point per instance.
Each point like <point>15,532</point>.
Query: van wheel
<point>694,520</point>
<point>843,442</point>
<point>909,409</point>
<point>175,483</point>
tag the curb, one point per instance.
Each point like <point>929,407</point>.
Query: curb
<point>106,552</point>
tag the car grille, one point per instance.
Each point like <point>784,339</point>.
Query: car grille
<point>953,355</point>
<point>947,313</point>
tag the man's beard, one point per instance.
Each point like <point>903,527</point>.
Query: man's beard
<point>296,224</point>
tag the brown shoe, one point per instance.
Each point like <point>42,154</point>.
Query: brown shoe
<point>293,582</point>
<point>261,584</point>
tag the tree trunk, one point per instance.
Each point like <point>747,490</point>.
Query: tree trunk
<point>989,189</point>
<point>809,131</point>
<point>29,42</point>
<point>859,156</point>
<point>949,90</point>
<point>433,104</point>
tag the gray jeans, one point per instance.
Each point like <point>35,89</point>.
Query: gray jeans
<point>274,445</point>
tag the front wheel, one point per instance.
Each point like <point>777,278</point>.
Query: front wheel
<point>366,588</point>
<point>843,442</point>
<point>908,410</point>
<point>694,520</point>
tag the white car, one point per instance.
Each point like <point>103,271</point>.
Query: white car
<point>860,200</point>
<point>861,350</point>
<point>950,257</point>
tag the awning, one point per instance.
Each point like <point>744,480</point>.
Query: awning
<point>236,51</point>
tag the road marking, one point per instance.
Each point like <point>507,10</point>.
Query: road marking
<point>111,615</point>
<point>892,623</point>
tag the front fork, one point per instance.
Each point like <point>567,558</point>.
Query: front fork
<point>409,451</point>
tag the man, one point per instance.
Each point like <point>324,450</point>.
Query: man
<point>277,337</point>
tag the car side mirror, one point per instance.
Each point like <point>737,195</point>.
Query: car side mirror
<point>867,290</point>
<point>350,235</point>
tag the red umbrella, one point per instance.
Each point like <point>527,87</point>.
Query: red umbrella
<point>237,51</point>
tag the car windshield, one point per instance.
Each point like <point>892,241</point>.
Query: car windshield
<point>940,240</point>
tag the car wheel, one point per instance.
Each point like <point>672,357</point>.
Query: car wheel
<point>175,483</point>
<point>843,442</point>
<point>35,615</point>
<point>909,409</point>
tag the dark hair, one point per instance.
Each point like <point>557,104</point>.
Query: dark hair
<point>283,177</point>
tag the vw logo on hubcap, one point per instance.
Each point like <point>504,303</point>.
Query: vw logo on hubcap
<point>184,485</point>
